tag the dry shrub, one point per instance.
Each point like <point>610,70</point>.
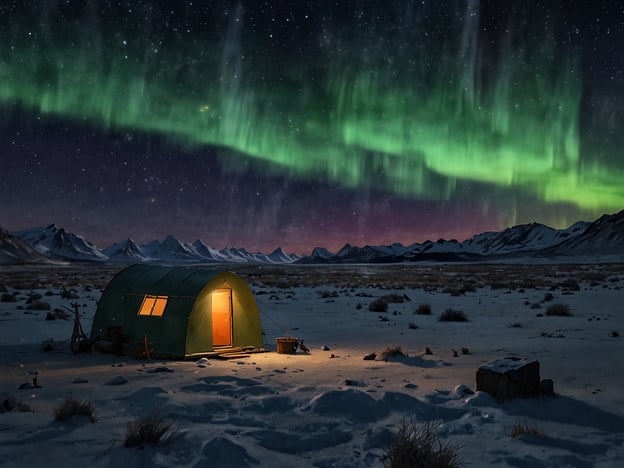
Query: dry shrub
<point>69,294</point>
<point>72,406</point>
<point>453,291</point>
<point>58,314</point>
<point>558,309</point>
<point>11,403</point>
<point>520,429</point>
<point>412,326</point>
<point>148,430</point>
<point>33,297</point>
<point>570,284</point>
<point>8,297</point>
<point>394,298</point>
<point>391,352</point>
<point>378,305</point>
<point>420,446</point>
<point>453,315</point>
<point>423,309</point>
<point>39,305</point>
<point>548,297</point>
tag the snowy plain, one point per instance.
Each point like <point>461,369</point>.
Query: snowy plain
<point>331,408</point>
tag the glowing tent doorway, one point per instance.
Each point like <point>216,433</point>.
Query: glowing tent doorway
<point>222,317</point>
<point>183,311</point>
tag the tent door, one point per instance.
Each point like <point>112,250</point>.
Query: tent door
<point>222,317</point>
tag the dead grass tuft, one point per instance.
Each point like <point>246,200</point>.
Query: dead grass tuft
<point>423,309</point>
<point>558,309</point>
<point>520,429</point>
<point>148,430</point>
<point>39,305</point>
<point>570,284</point>
<point>419,445</point>
<point>72,406</point>
<point>391,352</point>
<point>453,315</point>
<point>8,297</point>
<point>378,305</point>
<point>11,403</point>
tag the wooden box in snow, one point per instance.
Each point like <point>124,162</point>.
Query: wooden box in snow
<point>509,378</point>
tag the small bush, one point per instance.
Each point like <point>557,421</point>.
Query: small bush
<point>520,429</point>
<point>453,291</point>
<point>327,294</point>
<point>412,326</point>
<point>570,284</point>
<point>420,446</point>
<point>536,305</point>
<point>58,314</point>
<point>515,325</point>
<point>148,430</point>
<point>33,298</point>
<point>69,294</point>
<point>11,403</point>
<point>39,305</point>
<point>8,297</point>
<point>378,305</point>
<point>423,309</point>
<point>74,407</point>
<point>453,315</point>
<point>391,351</point>
<point>548,297</point>
<point>394,298</point>
<point>558,309</point>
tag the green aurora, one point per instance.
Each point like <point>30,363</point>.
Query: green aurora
<point>411,110</point>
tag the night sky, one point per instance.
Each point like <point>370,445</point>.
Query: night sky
<point>304,123</point>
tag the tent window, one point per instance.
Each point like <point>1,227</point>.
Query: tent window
<point>153,305</point>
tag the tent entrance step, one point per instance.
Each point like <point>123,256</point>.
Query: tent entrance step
<point>227,352</point>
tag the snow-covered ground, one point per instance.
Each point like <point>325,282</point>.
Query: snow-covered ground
<point>331,407</point>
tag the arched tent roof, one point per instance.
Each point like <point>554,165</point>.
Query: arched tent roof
<point>175,308</point>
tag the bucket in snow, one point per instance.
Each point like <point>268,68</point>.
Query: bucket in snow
<point>286,345</point>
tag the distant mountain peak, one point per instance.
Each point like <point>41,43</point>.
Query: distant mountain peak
<point>14,250</point>
<point>604,237</point>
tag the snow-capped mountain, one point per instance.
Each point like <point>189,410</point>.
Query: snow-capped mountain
<point>56,242</point>
<point>207,253</point>
<point>125,251</point>
<point>16,250</point>
<point>522,238</point>
<point>603,237</point>
<point>241,255</point>
<point>171,249</point>
<point>279,256</point>
<point>321,253</point>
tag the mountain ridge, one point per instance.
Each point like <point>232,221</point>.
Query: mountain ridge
<point>602,238</point>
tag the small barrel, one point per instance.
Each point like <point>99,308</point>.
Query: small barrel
<point>286,345</point>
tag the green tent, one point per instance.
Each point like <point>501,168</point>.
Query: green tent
<point>181,311</point>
